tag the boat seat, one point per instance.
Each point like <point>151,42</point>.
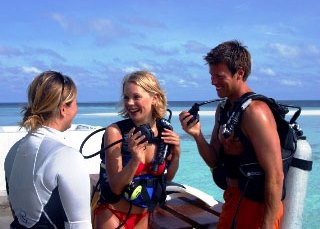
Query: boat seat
<point>193,213</point>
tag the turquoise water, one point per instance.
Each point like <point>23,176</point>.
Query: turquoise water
<point>192,170</point>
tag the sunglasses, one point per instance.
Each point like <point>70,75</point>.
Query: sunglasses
<point>64,81</point>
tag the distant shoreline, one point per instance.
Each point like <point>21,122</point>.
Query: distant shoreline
<point>204,113</point>
<point>302,103</point>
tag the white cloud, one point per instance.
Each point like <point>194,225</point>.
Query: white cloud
<point>9,51</point>
<point>149,23</point>
<point>195,47</point>
<point>287,82</point>
<point>285,50</point>
<point>276,29</point>
<point>102,25</point>
<point>158,50</point>
<point>130,69</point>
<point>147,66</point>
<point>162,82</point>
<point>184,83</point>
<point>314,50</point>
<point>32,70</point>
<point>140,66</point>
<point>267,71</point>
<point>69,24</point>
<point>61,20</point>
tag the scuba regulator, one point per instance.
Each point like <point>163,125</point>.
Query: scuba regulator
<point>132,191</point>
<point>162,148</point>
<point>195,109</point>
<point>145,130</point>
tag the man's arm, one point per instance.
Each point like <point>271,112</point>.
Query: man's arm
<point>260,127</point>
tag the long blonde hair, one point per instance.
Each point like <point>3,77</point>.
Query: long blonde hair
<point>150,84</point>
<point>46,93</point>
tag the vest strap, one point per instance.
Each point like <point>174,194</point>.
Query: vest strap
<point>301,164</point>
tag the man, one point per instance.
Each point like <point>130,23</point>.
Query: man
<point>229,67</point>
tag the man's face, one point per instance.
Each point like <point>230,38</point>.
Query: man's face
<point>222,79</point>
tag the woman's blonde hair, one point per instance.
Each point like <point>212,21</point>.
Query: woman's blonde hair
<point>46,93</point>
<point>150,84</point>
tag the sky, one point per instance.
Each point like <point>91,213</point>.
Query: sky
<point>97,43</point>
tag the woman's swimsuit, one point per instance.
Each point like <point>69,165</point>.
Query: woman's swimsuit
<point>133,219</point>
<point>144,170</point>
<point>147,169</point>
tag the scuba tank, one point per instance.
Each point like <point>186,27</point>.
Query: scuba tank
<point>296,185</point>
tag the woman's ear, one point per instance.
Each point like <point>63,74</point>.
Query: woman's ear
<point>155,100</point>
<point>62,110</point>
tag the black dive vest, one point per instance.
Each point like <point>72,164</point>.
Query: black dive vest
<point>158,183</point>
<point>227,165</point>
<point>246,163</point>
<point>232,163</point>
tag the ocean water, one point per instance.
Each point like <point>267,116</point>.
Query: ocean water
<point>192,170</point>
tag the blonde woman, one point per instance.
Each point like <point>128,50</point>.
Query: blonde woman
<point>47,182</point>
<point>130,168</point>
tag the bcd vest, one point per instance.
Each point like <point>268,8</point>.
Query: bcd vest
<point>245,166</point>
<point>144,191</point>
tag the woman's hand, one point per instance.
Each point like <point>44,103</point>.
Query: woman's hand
<point>172,138</point>
<point>137,144</point>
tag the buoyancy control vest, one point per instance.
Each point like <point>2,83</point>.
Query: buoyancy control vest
<point>144,191</point>
<point>249,173</point>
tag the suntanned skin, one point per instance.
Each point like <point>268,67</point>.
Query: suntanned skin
<point>138,104</point>
<point>259,127</point>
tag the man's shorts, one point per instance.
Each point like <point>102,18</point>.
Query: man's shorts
<point>250,213</point>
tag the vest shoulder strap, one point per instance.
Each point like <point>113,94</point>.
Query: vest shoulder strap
<point>125,126</point>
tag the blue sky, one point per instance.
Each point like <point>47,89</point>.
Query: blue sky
<point>98,42</point>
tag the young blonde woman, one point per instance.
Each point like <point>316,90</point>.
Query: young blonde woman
<point>132,180</point>
<point>47,182</point>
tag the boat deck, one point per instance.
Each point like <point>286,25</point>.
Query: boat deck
<point>5,214</point>
<point>178,213</point>
<point>185,212</point>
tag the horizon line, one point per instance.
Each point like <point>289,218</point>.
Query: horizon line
<point>19,102</point>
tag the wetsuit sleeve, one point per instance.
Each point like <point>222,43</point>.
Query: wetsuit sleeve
<point>8,163</point>
<point>74,188</point>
